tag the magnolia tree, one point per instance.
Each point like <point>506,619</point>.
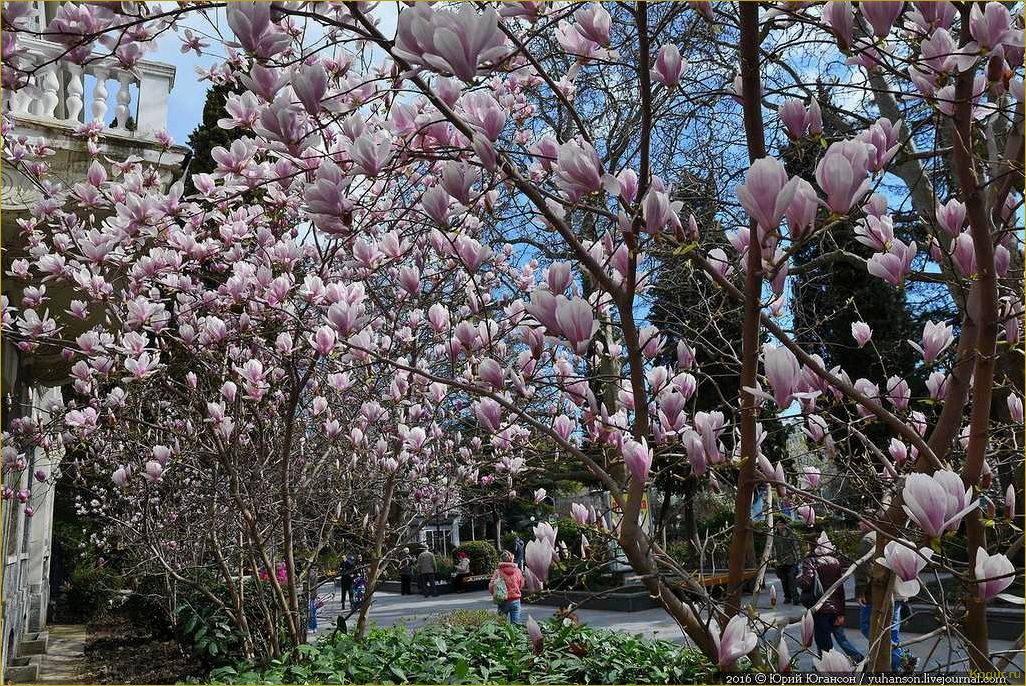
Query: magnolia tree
<point>431,252</point>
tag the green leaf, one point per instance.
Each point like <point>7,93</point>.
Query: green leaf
<point>462,669</point>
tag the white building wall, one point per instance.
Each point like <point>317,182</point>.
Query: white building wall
<point>26,543</point>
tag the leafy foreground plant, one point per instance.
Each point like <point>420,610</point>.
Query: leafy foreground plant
<point>494,652</point>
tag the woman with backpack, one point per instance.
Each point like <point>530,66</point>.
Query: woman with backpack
<point>505,587</point>
<point>819,570</point>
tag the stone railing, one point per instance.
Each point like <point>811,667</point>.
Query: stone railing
<point>57,91</point>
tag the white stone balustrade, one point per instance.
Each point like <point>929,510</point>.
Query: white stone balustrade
<point>57,91</point>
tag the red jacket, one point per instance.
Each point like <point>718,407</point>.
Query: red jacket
<point>513,578</point>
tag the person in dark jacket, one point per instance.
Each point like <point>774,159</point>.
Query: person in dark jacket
<point>518,551</point>
<point>345,579</point>
<point>787,550</point>
<point>406,573</point>
<point>821,563</point>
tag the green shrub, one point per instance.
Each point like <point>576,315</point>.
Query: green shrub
<point>507,540</point>
<point>682,552</point>
<point>466,619</point>
<point>483,556</point>
<point>443,566</point>
<point>493,652</point>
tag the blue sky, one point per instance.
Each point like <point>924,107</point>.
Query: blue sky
<point>185,107</point>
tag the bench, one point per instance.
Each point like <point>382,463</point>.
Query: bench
<point>722,579</point>
<point>472,582</point>
<point>716,582</point>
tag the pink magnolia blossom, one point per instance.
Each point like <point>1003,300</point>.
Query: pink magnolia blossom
<point>579,513</point>
<point>807,514</point>
<point>840,17</point>
<point>793,116</point>
<point>936,503</point>
<point>894,265</point>
<point>963,255</point>
<point>861,332</point>
<point>120,476</point>
<point>898,451</point>
<point>669,66</point>
<point>881,15</point>
<point>937,337</point>
<point>736,641</point>
<point>906,563</point>
<point>783,655</point>
<point>538,556</point>
<point>833,661</point>
<point>251,23</point>
<point>454,42</point>
<point>593,23</point>
<point>579,171</point>
<point>154,470</point>
<point>951,217</point>
<point>898,392</point>
<point>842,172</point>
<point>937,385</point>
<point>993,574</point>
<point>638,458</point>
<point>310,83</point>
<point>1009,501</point>
<point>489,414</point>
<point>991,27</point>
<point>766,192</point>
<point>801,212</point>
<point>575,319</point>
<point>1015,410</point>
<point>807,631</point>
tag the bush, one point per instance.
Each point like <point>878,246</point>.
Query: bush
<point>483,556</point>
<point>682,552</point>
<point>466,619</point>
<point>493,652</point>
<point>443,566</point>
<point>507,540</point>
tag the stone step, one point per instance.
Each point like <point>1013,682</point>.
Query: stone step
<point>22,670</point>
<point>34,643</point>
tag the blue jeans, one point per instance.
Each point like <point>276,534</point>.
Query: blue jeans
<point>312,622</point>
<point>823,630</point>
<point>511,610</point>
<point>896,653</point>
<point>853,653</point>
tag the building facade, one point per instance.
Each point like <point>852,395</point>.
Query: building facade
<point>132,106</point>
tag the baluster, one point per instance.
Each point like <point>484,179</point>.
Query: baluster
<point>99,105</point>
<point>49,99</point>
<point>124,97</point>
<point>35,102</point>
<point>75,90</point>
<point>20,100</point>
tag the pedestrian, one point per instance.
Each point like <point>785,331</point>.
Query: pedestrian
<point>819,570</point>
<point>901,659</point>
<point>505,586</point>
<point>311,623</point>
<point>460,572</point>
<point>426,570</point>
<point>518,551</point>
<point>788,555</point>
<point>359,582</point>
<point>406,573</point>
<point>345,579</point>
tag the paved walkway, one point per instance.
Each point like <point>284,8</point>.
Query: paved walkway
<point>65,655</point>
<point>392,609</point>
